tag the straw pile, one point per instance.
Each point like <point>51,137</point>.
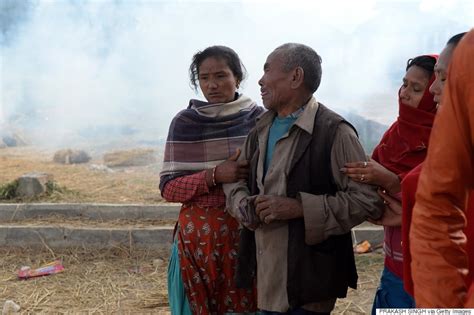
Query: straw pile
<point>99,282</point>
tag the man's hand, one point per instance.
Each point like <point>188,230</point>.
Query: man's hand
<point>248,217</point>
<point>275,208</point>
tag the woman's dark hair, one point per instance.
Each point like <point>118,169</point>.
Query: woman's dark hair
<point>425,62</point>
<point>218,52</point>
<point>455,39</point>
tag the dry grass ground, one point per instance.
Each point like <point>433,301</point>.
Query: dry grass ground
<point>94,282</point>
<point>83,184</point>
<point>369,268</point>
<point>120,281</point>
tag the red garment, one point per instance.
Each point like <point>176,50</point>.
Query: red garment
<point>409,185</point>
<point>194,188</point>
<point>403,147</point>
<point>208,240</point>
<point>393,248</point>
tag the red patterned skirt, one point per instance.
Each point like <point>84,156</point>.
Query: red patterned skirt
<point>208,241</point>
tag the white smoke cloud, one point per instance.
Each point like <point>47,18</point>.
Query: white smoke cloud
<point>73,66</point>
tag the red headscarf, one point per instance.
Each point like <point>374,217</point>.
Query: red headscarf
<point>404,144</point>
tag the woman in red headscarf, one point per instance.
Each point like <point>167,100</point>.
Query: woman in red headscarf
<point>401,149</point>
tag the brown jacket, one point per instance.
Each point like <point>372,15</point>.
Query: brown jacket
<point>438,244</point>
<point>324,215</point>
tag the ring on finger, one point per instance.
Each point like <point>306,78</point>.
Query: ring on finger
<point>362,177</point>
<point>365,164</point>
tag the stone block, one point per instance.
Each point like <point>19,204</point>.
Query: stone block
<point>32,184</point>
<point>152,236</point>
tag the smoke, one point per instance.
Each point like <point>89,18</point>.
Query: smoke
<point>93,70</point>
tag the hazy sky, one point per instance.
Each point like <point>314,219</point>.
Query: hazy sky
<point>70,65</point>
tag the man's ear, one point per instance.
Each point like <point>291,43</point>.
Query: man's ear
<point>298,78</point>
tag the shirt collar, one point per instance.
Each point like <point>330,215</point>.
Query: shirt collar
<point>304,116</point>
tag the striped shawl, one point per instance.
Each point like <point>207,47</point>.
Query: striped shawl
<point>204,135</point>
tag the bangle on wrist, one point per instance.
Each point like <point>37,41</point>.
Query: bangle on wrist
<point>214,176</point>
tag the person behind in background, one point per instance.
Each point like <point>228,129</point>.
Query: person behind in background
<point>410,182</point>
<point>437,241</point>
<point>401,149</point>
<point>300,206</point>
<point>200,155</point>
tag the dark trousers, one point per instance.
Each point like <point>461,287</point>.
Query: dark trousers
<point>298,311</point>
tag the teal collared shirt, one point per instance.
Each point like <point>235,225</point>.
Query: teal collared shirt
<point>278,130</point>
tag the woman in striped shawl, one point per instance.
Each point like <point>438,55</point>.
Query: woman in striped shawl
<point>200,155</point>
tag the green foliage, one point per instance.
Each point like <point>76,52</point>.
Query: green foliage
<point>8,190</point>
<point>52,187</point>
<point>56,193</point>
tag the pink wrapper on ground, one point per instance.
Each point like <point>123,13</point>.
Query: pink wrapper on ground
<point>48,269</point>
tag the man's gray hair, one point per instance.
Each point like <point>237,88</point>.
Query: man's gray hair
<point>299,55</point>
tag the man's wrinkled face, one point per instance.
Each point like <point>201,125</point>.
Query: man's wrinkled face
<point>275,84</point>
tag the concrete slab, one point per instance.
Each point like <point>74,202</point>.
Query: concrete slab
<point>150,237</point>
<point>66,237</point>
<point>103,212</point>
<point>373,233</point>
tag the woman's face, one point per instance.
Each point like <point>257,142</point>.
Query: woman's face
<point>414,84</point>
<point>216,80</point>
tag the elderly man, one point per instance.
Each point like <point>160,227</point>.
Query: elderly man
<point>298,203</point>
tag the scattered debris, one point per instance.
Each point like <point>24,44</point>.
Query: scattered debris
<point>158,262</point>
<point>141,269</point>
<point>363,247</point>
<point>100,168</point>
<point>10,307</point>
<point>69,156</point>
<point>97,282</point>
<point>135,157</point>
<point>51,268</point>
